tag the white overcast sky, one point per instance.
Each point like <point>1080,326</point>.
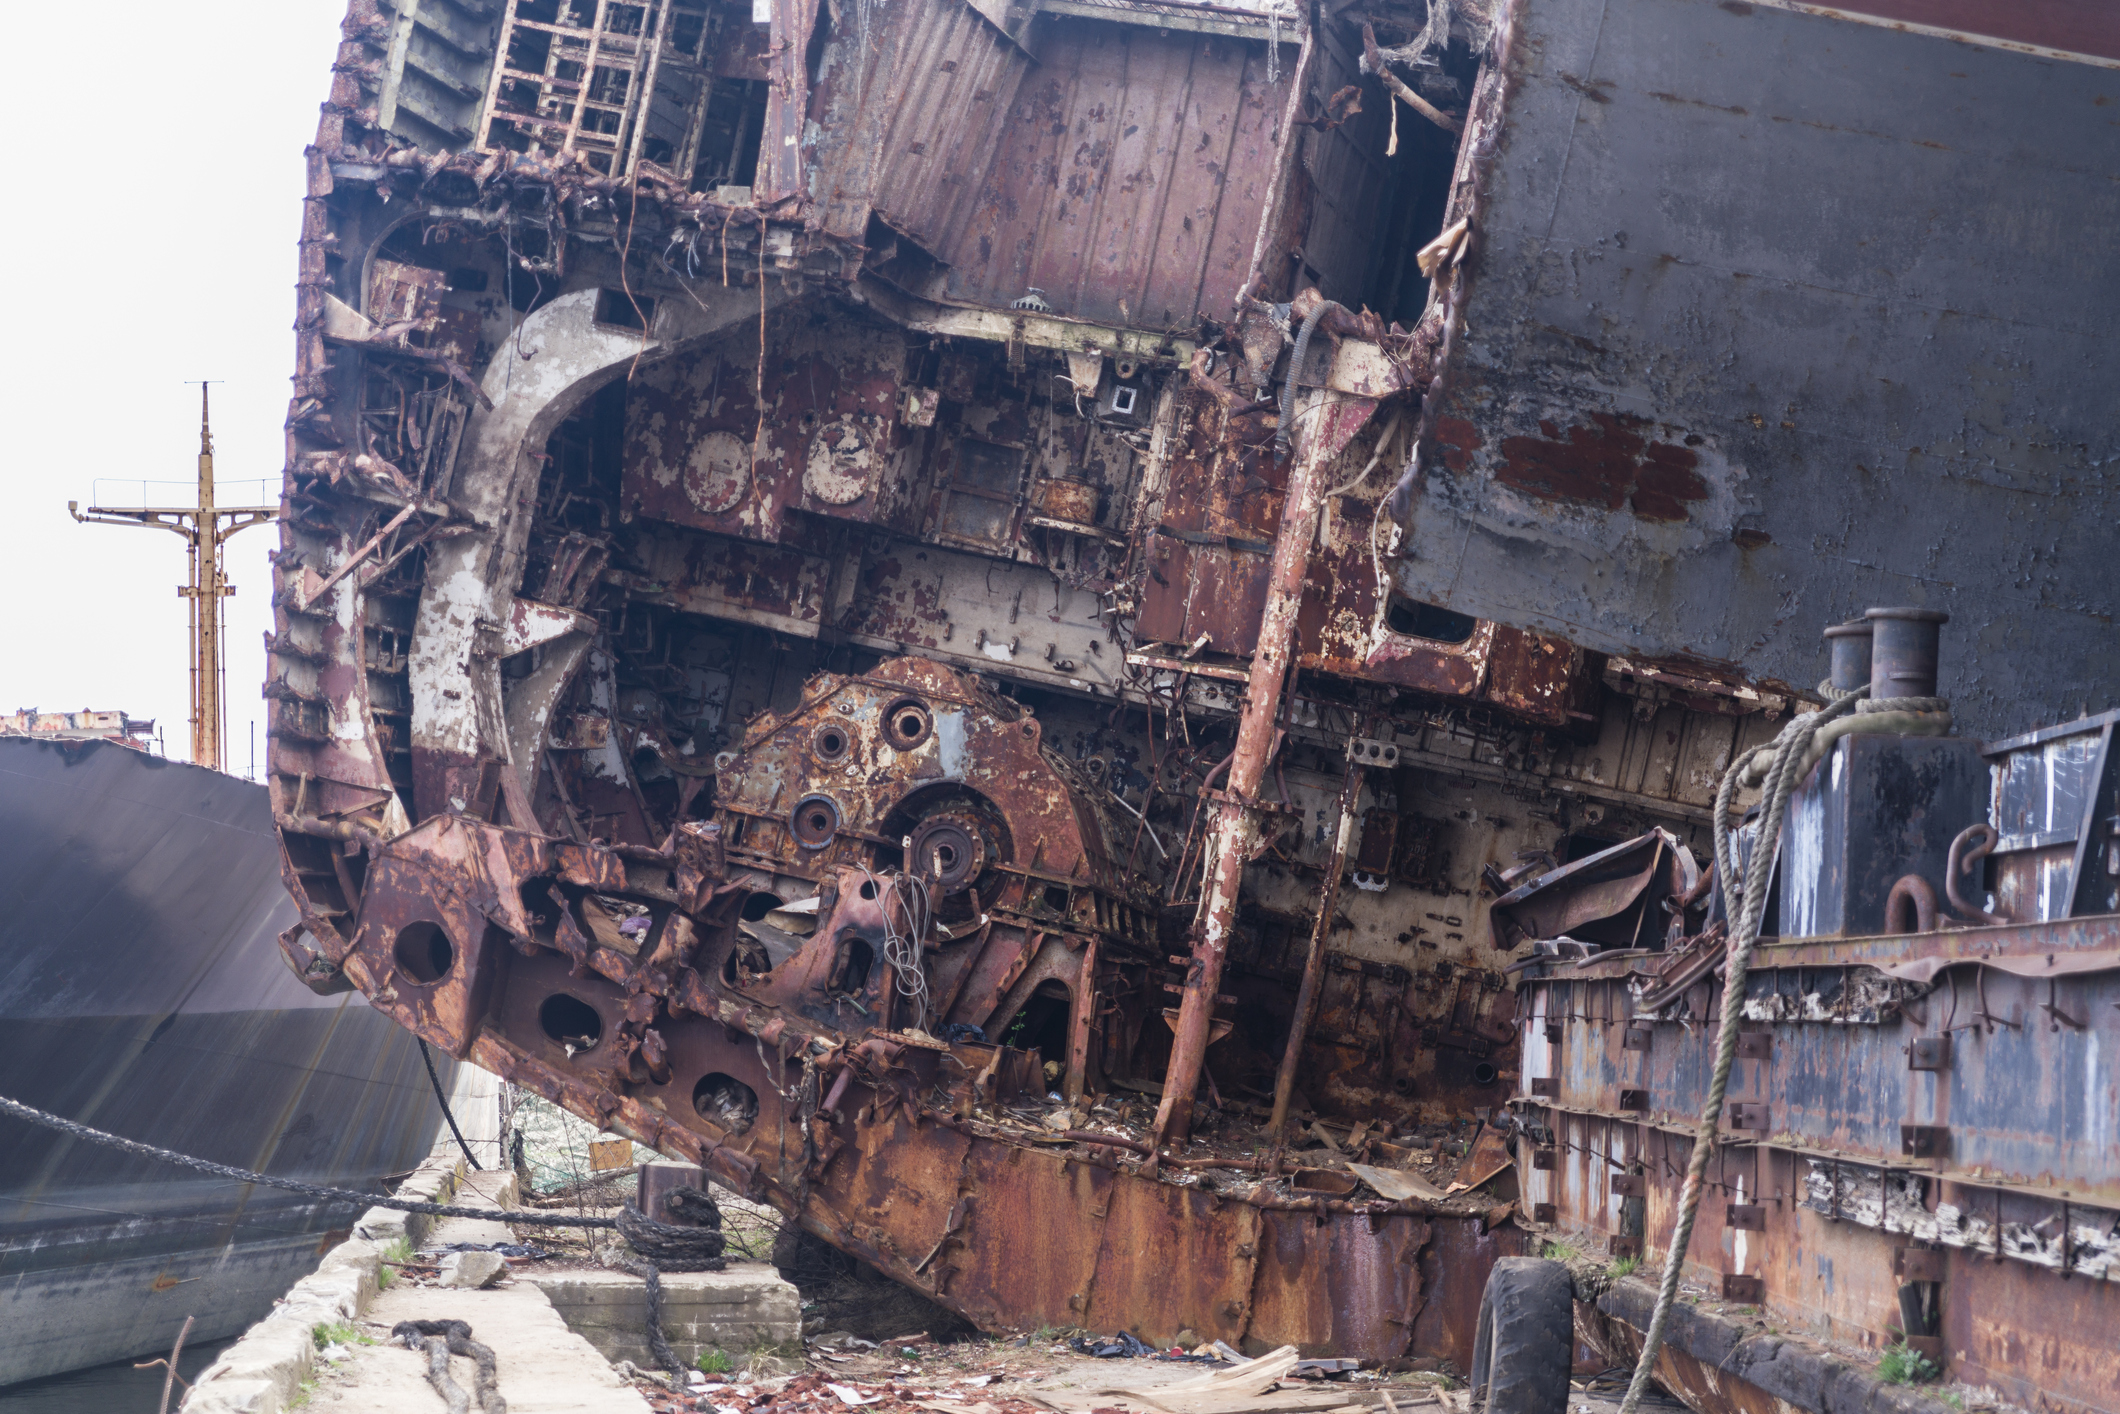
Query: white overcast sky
<point>149,239</point>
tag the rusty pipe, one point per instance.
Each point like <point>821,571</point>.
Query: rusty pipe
<point>1284,1080</point>
<point>1236,828</point>
<point>1110,1141</point>
<point>1910,894</point>
<point>327,829</point>
<point>1965,857</point>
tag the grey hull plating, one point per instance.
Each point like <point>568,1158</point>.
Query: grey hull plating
<point>141,991</point>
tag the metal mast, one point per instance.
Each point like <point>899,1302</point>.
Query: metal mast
<point>203,529</point>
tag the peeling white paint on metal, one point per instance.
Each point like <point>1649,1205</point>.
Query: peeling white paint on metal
<point>949,743</point>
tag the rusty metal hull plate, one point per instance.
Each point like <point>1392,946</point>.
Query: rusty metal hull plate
<point>1746,347</point>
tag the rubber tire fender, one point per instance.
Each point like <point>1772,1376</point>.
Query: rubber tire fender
<point>1526,1338</point>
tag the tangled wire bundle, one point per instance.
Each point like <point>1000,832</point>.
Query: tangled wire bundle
<point>439,1340</point>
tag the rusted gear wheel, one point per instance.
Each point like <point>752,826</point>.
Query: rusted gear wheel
<point>948,849</point>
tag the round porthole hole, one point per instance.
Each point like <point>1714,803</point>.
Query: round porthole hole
<point>424,952</point>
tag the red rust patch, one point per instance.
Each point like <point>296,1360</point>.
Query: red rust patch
<point>1458,439</point>
<point>1607,464</point>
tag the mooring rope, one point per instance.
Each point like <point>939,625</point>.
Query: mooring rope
<point>1788,762</point>
<point>681,1249</point>
<point>293,1185</point>
<point>438,1340</point>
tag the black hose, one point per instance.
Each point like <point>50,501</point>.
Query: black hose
<point>1295,364</point>
<point>443,1100</point>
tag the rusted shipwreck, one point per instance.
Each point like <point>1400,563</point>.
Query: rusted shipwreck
<point>982,616</point>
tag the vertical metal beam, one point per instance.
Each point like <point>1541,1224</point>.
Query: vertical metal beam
<point>1235,832</point>
<point>1284,1081</point>
<point>1083,1025</point>
<point>207,590</point>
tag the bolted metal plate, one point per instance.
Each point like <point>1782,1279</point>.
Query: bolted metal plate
<point>1929,1053</point>
<point>1371,751</point>
<point>1635,1038</point>
<point>1750,1290</point>
<point>1917,1263</point>
<point>1746,1116</point>
<point>1746,1217</point>
<point>1624,1247</point>
<point>1630,1185</point>
<point>1924,1141</point>
<point>1546,1085</point>
<point>1544,1159</point>
<point>1545,1213</point>
<point>1634,1099</point>
<point>1755,1045</point>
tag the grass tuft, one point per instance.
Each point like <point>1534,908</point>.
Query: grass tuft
<point>715,1362</point>
<point>339,1333</point>
<point>1901,1364</point>
<point>1625,1266</point>
<point>1559,1252</point>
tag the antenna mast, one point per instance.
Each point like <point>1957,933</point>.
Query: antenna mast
<point>204,527</point>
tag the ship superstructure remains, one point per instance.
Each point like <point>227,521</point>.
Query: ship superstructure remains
<point>864,596</point>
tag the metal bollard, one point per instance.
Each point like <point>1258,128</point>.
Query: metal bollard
<point>1850,646</point>
<point>1903,651</point>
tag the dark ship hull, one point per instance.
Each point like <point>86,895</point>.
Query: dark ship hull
<point>141,992</point>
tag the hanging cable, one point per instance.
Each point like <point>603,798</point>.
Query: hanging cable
<point>435,1080</point>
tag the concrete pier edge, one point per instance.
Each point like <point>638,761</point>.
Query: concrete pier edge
<point>264,1370</point>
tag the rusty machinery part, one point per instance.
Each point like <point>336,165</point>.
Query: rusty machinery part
<point>832,741</point>
<point>1911,906</point>
<point>1973,844</point>
<point>814,821</point>
<point>947,850</point>
<point>16,1109</point>
<point>907,723</point>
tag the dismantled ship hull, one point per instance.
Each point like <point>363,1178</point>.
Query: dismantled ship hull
<point>138,994</point>
<point>859,601</point>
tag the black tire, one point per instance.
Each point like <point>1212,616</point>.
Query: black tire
<point>1526,1340</point>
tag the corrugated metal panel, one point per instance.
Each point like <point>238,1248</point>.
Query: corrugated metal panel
<point>1112,187</point>
<point>918,121</point>
<point>1773,317</point>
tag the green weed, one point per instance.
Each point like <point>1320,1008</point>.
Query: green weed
<point>1625,1266</point>
<point>715,1362</point>
<point>339,1333</point>
<point>1903,1365</point>
<point>1559,1252</point>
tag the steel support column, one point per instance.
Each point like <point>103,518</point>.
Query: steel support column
<point>1233,838</point>
<point>1284,1081</point>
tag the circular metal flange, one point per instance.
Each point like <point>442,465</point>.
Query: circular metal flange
<point>907,722</point>
<point>831,740</point>
<point>718,473</point>
<point>948,850</point>
<point>814,821</point>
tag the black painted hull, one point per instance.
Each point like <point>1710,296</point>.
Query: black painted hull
<point>142,991</point>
